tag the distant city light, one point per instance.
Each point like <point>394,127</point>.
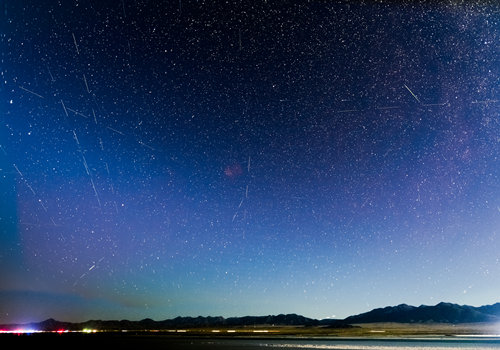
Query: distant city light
<point>20,331</point>
<point>88,330</point>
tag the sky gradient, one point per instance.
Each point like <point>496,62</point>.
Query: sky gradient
<point>185,158</point>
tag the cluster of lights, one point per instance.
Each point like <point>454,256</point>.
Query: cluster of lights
<point>19,331</point>
<point>32,331</point>
<point>89,331</point>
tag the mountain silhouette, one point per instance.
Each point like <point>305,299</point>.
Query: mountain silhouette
<point>403,313</point>
<point>181,322</point>
<point>440,313</point>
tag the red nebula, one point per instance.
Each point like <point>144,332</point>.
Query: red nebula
<point>233,171</point>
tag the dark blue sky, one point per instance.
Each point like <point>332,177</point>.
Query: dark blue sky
<point>247,158</point>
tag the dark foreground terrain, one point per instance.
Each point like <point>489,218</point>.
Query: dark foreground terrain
<point>247,338</point>
<point>116,341</point>
<point>161,341</point>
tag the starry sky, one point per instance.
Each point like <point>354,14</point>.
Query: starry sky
<point>185,158</point>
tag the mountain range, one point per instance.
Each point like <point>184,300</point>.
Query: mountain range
<point>440,313</point>
<point>181,322</point>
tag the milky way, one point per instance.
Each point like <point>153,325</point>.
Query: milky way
<point>193,158</point>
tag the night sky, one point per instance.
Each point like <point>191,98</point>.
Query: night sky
<point>226,158</point>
